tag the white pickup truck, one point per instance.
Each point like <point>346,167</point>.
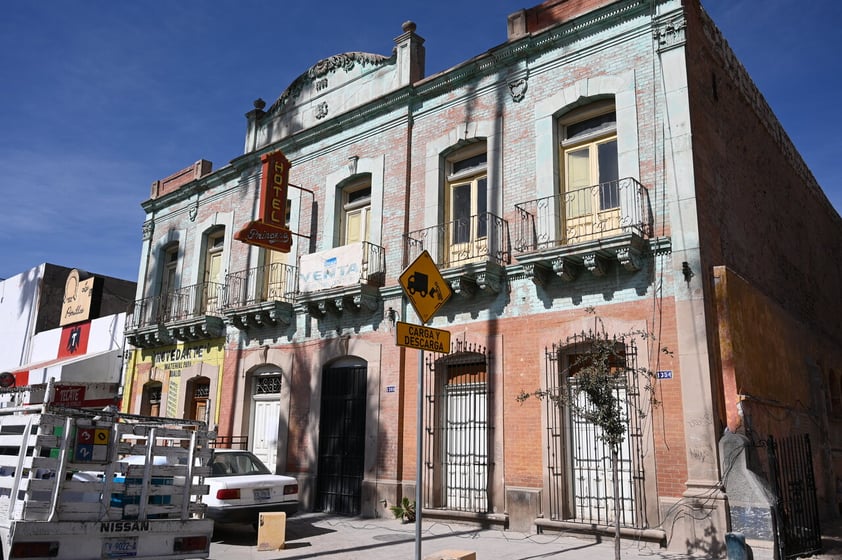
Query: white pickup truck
<point>65,493</point>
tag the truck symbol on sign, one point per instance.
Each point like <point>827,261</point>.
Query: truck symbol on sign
<point>419,282</point>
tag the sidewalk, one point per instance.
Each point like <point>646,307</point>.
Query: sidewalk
<point>316,535</point>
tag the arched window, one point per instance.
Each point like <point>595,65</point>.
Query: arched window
<point>466,203</point>
<point>589,171</point>
<point>355,215</point>
<point>198,399</point>
<point>213,281</point>
<point>150,402</point>
<point>169,282</point>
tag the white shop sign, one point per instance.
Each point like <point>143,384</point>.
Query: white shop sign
<point>340,266</point>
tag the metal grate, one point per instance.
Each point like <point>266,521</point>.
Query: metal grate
<point>230,442</point>
<point>458,431</point>
<point>267,385</point>
<point>341,440</point>
<point>581,486</point>
<point>796,508</point>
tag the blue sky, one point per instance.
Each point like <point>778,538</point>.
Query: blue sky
<point>100,98</point>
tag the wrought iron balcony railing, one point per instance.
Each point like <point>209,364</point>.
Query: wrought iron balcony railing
<point>271,282</point>
<point>482,237</point>
<point>182,304</point>
<point>595,212</point>
<point>374,264</point>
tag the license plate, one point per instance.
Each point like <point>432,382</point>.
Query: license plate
<point>124,547</point>
<point>262,493</point>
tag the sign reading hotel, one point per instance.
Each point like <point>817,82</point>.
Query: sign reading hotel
<point>78,298</point>
<point>269,230</point>
<point>423,338</point>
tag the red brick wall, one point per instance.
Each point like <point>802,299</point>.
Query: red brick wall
<point>180,178</point>
<point>553,12</point>
<point>760,211</point>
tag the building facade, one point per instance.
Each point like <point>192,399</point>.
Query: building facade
<point>609,166</point>
<point>65,326</point>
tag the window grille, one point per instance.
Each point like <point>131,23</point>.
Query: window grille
<point>201,391</point>
<point>458,431</point>
<point>267,385</point>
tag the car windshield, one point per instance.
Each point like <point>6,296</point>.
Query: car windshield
<point>226,464</point>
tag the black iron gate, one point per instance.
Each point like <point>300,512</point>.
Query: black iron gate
<point>796,509</point>
<point>580,480</point>
<point>341,440</point>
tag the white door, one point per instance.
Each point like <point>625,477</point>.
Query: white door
<point>593,486</point>
<point>264,436</point>
<point>466,447</point>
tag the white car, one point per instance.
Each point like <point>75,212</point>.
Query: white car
<point>241,487</point>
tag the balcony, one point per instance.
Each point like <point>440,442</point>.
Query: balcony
<point>470,253</point>
<point>261,296</point>
<point>345,278</point>
<point>585,229</point>
<point>189,313</point>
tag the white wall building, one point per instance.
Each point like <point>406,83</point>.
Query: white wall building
<point>62,324</point>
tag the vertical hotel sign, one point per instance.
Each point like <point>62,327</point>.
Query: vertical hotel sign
<point>273,196</point>
<point>269,230</point>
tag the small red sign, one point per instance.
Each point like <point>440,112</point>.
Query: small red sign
<point>70,395</point>
<point>273,189</point>
<point>85,436</point>
<point>74,340</point>
<point>265,235</point>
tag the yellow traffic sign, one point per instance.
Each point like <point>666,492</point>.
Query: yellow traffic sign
<point>423,338</point>
<point>423,284</point>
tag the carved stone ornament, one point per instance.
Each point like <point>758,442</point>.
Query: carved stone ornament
<point>629,258</point>
<point>148,229</point>
<point>595,264</point>
<point>669,34</point>
<point>537,272</point>
<point>518,89</point>
<point>193,211</point>
<point>321,110</point>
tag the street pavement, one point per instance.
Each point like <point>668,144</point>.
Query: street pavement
<point>316,535</point>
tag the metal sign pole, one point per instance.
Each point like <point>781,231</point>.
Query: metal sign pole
<point>427,290</point>
<point>419,445</point>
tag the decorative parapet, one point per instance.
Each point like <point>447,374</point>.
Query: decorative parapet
<point>316,74</point>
